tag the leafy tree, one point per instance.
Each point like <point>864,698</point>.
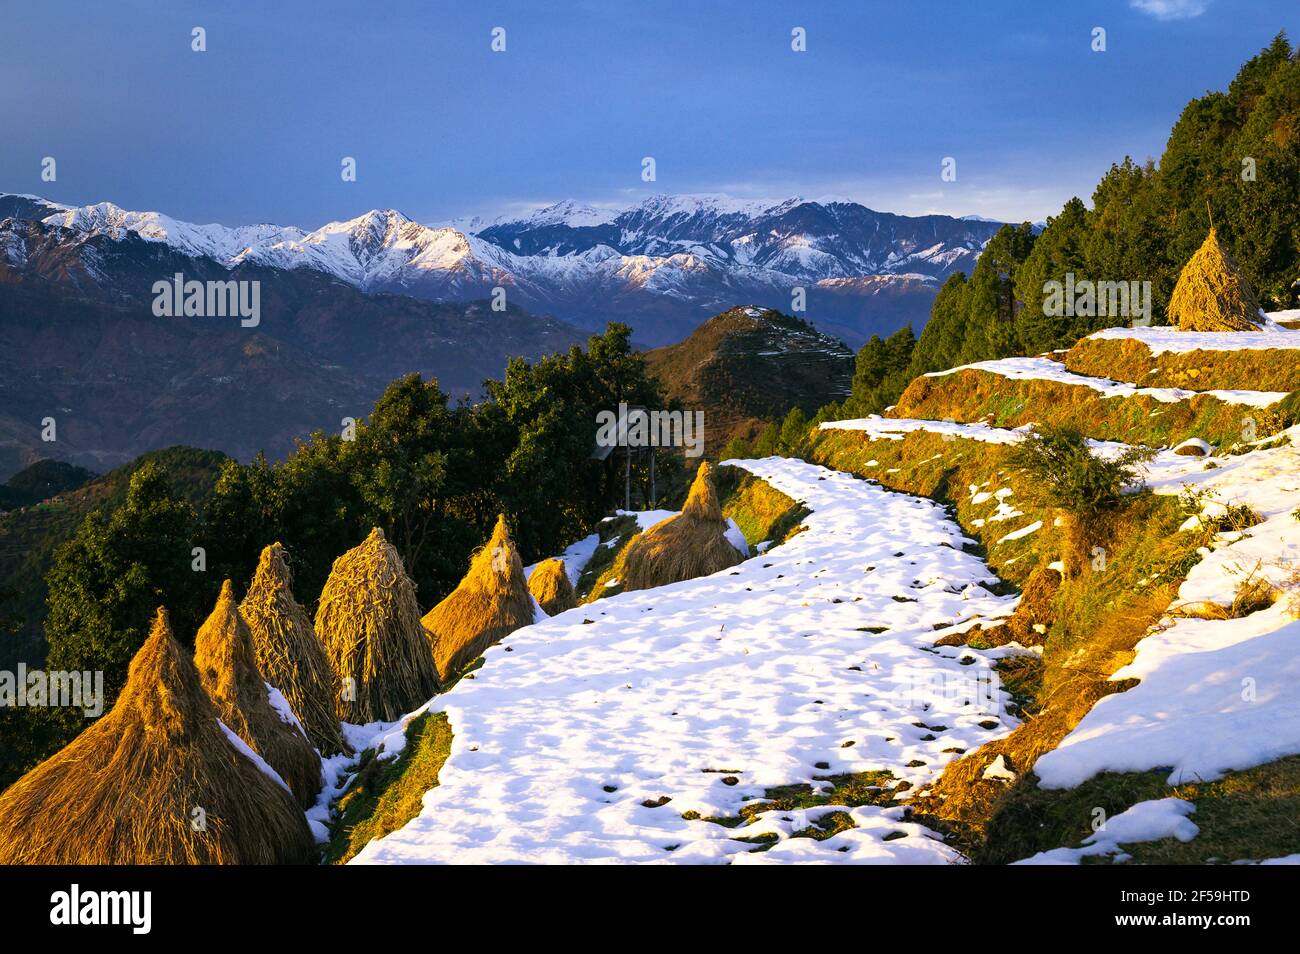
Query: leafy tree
<point>107,581</point>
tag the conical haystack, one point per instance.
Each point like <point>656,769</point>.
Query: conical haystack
<point>491,602</point>
<point>369,623</point>
<point>289,653</point>
<point>155,781</point>
<point>550,586</point>
<point>1212,294</point>
<point>693,543</point>
<point>227,664</point>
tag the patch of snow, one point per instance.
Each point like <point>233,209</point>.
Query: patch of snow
<point>1022,532</point>
<point>281,706</point>
<point>736,538</point>
<point>243,749</point>
<point>1145,821</point>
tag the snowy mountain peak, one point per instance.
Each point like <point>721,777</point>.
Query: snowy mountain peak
<point>674,258</point>
<point>571,213</point>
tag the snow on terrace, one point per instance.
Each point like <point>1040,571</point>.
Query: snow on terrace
<point>1165,469</point>
<point>1045,369</point>
<point>1214,695</point>
<point>1173,341</point>
<point>751,676</point>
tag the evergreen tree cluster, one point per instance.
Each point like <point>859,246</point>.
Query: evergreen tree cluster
<point>1232,160</point>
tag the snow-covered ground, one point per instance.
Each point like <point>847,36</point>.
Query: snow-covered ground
<point>710,691</point>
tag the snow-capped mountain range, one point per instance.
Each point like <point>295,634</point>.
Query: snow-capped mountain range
<point>663,265</point>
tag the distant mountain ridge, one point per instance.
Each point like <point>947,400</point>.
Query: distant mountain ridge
<point>79,343</point>
<point>663,265</point>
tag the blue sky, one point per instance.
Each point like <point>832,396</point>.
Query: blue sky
<point>254,129</point>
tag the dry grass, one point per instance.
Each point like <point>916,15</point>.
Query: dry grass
<point>155,781</point>
<point>928,465</point>
<point>1271,369</point>
<point>289,653</point>
<point>369,623</point>
<point>227,665</point>
<point>550,586</point>
<point>490,603</point>
<point>1212,294</point>
<point>1033,616</point>
<point>972,395</point>
<point>689,545</point>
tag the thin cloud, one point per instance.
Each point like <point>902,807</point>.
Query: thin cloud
<point>1171,9</point>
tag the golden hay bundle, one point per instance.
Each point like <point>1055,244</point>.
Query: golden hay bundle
<point>369,623</point>
<point>227,664</point>
<point>1212,294</point>
<point>155,781</point>
<point>550,586</point>
<point>289,653</point>
<point>490,603</point>
<point>693,543</point>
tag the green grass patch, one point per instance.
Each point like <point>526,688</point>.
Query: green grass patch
<point>761,511</point>
<point>615,534</point>
<point>386,794</point>
<point>1248,815</point>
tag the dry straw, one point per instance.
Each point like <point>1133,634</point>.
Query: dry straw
<point>550,586</point>
<point>693,543</point>
<point>155,781</point>
<point>1212,294</point>
<point>369,623</point>
<point>289,653</point>
<point>491,602</point>
<point>227,664</point>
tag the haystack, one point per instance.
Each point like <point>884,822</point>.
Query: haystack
<point>491,602</point>
<point>550,586</point>
<point>1212,294</point>
<point>369,623</point>
<point>693,543</point>
<point>289,653</point>
<point>155,781</point>
<point>227,664</point>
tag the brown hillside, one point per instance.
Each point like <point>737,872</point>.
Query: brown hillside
<point>750,364</point>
